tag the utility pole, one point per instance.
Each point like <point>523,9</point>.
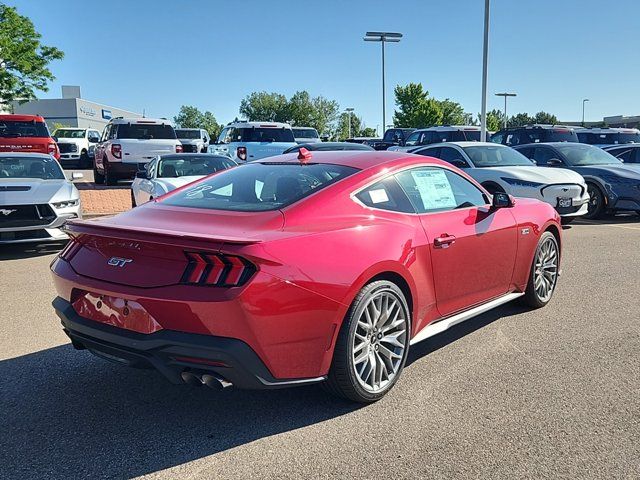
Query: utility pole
<point>485,60</point>
<point>585,100</point>
<point>349,110</point>
<point>505,95</point>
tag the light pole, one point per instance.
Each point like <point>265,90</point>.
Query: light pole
<point>505,95</point>
<point>383,37</point>
<point>349,110</point>
<point>584,100</point>
<point>485,61</point>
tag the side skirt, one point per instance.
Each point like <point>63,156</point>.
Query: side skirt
<point>441,325</point>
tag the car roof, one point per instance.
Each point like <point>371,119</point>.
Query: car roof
<point>185,128</point>
<point>540,125</point>
<point>143,120</point>
<point>258,125</point>
<point>22,118</point>
<point>621,146</point>
<point>465,144</point>
<point>205,155</point>
<point>299,127</point>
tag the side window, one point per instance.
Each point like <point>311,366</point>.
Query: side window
<point>412,140</point>
<point>105,132</point>
<point>151,168</point>
<point>624,155</point>
<point>527,152</point>
<point>542,156</point>
<point>386,195</point>
<point>113,133</point>
<point>427,138</point>
<point>222,138</point>
<point>497,137</point>
<point>433,189</point>
<point>453,156</point>
<point>429,152</point>
<point>635,157</point>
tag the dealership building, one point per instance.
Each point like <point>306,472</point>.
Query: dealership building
<point>72,110</point>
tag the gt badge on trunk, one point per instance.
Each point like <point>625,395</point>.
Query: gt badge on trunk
<point>118,261</point>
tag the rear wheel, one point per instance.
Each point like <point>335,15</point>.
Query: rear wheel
<point>133,199</point>
<point>372,345</point>
<point>544,272</point>
<point>109,176</point>
<point>97,176</point>
<point>596,202</point>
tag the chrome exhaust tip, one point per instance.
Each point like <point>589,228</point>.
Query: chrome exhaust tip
<point>215,382</point>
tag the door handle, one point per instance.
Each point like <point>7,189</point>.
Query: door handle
<point>444,241</point>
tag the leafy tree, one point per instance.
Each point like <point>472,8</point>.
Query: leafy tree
<point>300,109</point>
<point>191,117</point>
<point>415,108</point>
<point>452,112</point>
<point>342,127</point>
<point>494,120</point>
<point>324,113</point>
<point>547,118</point>
<point>23,59</point>
<point>265,107</point>
<point>368,132</point>
<point>58,126</point>
<point>520,119</point>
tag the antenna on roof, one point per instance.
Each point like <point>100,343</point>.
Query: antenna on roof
<point>143,113</point>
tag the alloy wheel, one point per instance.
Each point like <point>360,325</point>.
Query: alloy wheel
<point>546,269</point>
<point>594,200</point>
<point>379,341</point>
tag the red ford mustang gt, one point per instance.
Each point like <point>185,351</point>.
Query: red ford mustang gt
<point>299,269</point>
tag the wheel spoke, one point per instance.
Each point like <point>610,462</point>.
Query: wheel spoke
<point>392,339</point>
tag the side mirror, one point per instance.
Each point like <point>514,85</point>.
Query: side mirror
<point>55,139</point>
<point>459,163</point>
<point>93,140</point>
<point>502,200</point>
<point>77,176</point>
<point>554,162</point>
<point>142,174</point>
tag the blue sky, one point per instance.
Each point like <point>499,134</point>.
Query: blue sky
<point>158,55</point>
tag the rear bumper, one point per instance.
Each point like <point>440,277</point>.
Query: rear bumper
<point>162,351</point>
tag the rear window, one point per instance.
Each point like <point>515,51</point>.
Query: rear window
<point>188,134</point>
<point>552,135</point>
<point>45,168</point>
<point>258,187</point>
<point>14,129</point>
<point>608,138</point>
<point>187,166</point>
<point>267,135</point>
<point>305,133</point>
<point>146,131</point>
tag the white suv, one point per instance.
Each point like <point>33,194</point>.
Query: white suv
<point>194,140</point>
<point>129,143</point>
<point>77,145</point>
<point>249,141</point>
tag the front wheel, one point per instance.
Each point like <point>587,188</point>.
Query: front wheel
<point>596,202</point>
<point>98,177</point>
<point>85,161</point>
<point>544,272</point>
<point>372,345</point>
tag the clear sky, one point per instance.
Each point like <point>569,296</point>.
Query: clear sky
<point>158,54</point>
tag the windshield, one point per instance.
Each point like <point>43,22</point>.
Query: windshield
<point>267,135</point>
<point>14,129</point>
<point>45,168</point>
<point>66,133</point>
<point>609,138</point>
<point>188,134</point>
<point>578,155</point>
<point>305,133</point>
<point>498,156</point>
<point>186,166</point>
<point>146,131</point>
<point>257,187</point>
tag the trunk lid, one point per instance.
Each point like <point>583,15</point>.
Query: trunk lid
<point>141,150</point>
<point>24,144</point>
<point>146,246</point>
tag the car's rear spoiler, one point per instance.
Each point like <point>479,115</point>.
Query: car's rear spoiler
<point>125,232</point>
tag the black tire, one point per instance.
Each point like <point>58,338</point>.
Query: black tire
<point>85,161</point>
<point>596,202</point>
<point>342,379</point>
<point>109,176</point>
<point>567,220</point>
<point>133,200</point>
<point>98,177</point>
<point>531,296</point>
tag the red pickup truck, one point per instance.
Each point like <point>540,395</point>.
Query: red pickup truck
<point>26,133</point>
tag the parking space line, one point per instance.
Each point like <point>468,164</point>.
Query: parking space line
<point>583,222</point>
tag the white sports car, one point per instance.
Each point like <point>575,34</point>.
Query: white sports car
<point>502,169</point>
<point>36,199</point>
<point>168,172</point>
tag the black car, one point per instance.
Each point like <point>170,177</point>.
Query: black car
<point>328,147</point>
<point>612,185</point>
<point>629,153</point>
<point>534,134</point>
<point>392,137</point>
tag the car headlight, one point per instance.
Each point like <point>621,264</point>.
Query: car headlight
<point>521,183</point>
<point>66,204</point>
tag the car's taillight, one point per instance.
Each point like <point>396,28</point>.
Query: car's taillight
<point>179,149</point>
<point>116,150</point>
<point>217,270</point>
<point>241,153</point>
<point>52,149</point>
<point>70,250</point>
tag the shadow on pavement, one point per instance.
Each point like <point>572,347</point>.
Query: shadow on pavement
<point>29,250</point>
<point>620,219</point>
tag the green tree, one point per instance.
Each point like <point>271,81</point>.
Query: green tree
<point>368,132</point>
<point>324,114</point>
<point>342,127</point>
<point>23,59</point>
<point>546,118</point>
<point>520,119</point>
<point>265,107</point>
<point>415,108</point>
<point>452,112</point>
<point>191,117</point>
<point>494,120</point>
<point>300,109</point>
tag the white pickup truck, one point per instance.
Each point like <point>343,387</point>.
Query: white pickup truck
<point>76,145</point>
<point>249,141</point>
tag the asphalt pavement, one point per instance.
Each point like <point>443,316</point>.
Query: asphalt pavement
<point>551,393</point>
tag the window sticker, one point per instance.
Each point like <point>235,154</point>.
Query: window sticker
<point>378,196</point>
<point>435,189</point>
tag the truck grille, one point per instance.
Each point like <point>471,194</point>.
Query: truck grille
<point>15,216</point>
<point>67,147</point>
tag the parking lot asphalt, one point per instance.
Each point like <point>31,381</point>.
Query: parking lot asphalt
<point>551,393</point>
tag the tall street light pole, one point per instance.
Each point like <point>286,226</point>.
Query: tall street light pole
<point>485,60</point>
<point>505,95</point>
<point>383,37</point>
<point>585,100</point>
<point>349,110</point>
